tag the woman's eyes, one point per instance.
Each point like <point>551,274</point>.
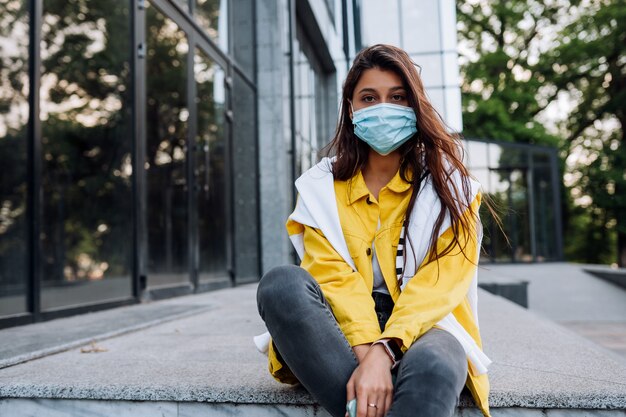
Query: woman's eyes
<point>393,98</point>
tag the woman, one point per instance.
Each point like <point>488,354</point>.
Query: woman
<point>383,306</point>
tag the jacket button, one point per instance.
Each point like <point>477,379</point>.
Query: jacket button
<point>368,201</point>
<point>368,251</point>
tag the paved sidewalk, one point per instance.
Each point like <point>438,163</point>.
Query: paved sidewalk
<point>206,364</point>
<point>566,294</point>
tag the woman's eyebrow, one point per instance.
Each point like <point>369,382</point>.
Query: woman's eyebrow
<point>367,90</point>
<point>372,90</point>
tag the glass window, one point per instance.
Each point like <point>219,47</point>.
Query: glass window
<point>86,147</point>
<point>213,17</point>
<point>166,159</point>
<point>545,216</point>
<point>210,169</point>
<point>306,115</point>
<point>13,135</point>
<point>509,190</point>
<point>523,192</point>
<point>311,105</point>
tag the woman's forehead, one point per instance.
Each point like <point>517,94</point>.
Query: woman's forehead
<point>377,79</point>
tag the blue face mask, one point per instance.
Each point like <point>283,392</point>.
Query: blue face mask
<point>385,127</point>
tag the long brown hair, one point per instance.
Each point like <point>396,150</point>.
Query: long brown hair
<point>432,151</point>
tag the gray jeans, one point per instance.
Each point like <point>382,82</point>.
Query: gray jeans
<point>429,379</point>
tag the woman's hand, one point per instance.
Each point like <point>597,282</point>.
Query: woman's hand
<point>371,383</point>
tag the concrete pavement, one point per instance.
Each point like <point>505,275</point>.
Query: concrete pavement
<point>566,294</point>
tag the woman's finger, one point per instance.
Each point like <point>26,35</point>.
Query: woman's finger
<point>362,408</point>
<point>350,392</point>
<point>374,406</point>
<point>380,407</point>
<point>388,402</point>
<point>371,411</point>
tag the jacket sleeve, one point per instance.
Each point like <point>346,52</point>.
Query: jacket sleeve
<point>438,287</point>
<point>344,289</point>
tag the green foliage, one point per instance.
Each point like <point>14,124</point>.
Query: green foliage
<point>527,55</point>
<point>500,88</point>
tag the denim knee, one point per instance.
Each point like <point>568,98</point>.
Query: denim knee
<point>438,356</point>
<point>282,286</point>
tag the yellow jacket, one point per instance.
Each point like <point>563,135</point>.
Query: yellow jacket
<point>435,291</point>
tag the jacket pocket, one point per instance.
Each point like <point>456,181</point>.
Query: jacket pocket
<point>357,247</point>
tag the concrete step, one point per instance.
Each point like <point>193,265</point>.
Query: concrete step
<point>205,364</point>
<point>512,289</point>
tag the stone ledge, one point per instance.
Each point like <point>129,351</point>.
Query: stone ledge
<point>90,408</point>
<point>615,276</point>
<point>209,357</point>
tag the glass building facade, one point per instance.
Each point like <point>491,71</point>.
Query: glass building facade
<point>122,124</point>
<point>522,183</point>
<point>149,147</point>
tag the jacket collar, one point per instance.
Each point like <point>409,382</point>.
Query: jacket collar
<point>358,188</point>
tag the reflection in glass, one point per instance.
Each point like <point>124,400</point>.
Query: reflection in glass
<point>166,132</point>
<point>13,135</point>
<point>86,151</point>
<point>509,189</point>
<point>213,17</point>
<point>519,181</point>
<point>209,170</point>
<point>310,106</point>
<point>306,123</point>
<point>518,216</point>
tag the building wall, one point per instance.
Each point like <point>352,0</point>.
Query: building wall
<point>299,117</point>
<point>427,31</point>
<point>274,128</point>
<point>155,154</point>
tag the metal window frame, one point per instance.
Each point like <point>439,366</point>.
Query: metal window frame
<point>555,184</point>
<point>201,40</point>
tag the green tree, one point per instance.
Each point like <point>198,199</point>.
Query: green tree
<point>502,93</point>
<point>588,64</point>
<point>525,57</point>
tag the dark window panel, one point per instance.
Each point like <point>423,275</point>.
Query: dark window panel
<point>166,138</point>
<point>545,215</point>
<point>210,169</point>
<point>86,153</point>
<point>14,82</point>
<point>518,179</point>
<point>212,15</point>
